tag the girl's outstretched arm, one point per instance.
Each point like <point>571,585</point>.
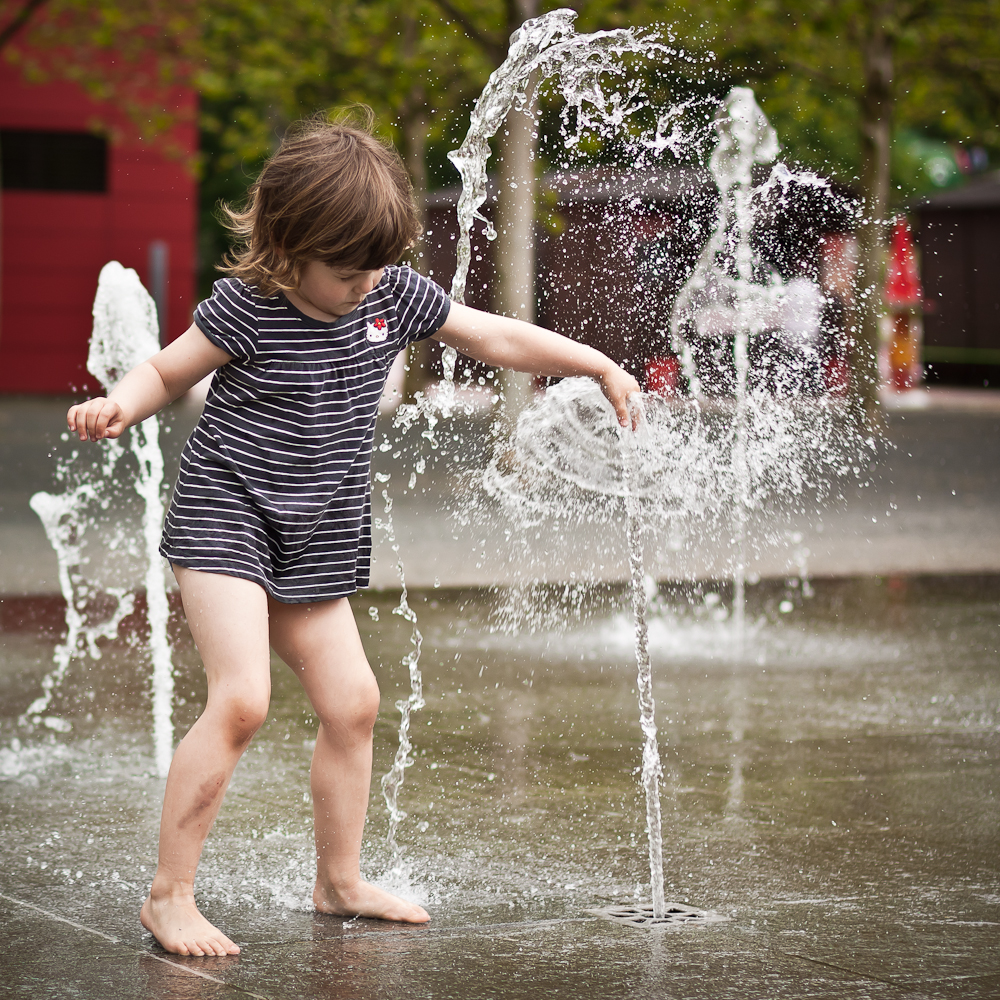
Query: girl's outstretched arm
<point>148,387</point>
<point>511,343</point>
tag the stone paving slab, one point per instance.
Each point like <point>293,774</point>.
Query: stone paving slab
<point>582,958</point>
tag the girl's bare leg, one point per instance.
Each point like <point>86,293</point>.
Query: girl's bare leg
<point>228,619</point>
<point>320,642</point>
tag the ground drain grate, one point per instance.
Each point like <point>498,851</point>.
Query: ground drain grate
<point>677,915</point>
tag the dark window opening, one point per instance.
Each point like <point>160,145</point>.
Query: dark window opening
<point>53,161</point>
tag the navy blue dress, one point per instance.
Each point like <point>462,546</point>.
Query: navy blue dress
<point>274,482</point>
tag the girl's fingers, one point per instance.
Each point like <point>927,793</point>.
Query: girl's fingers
<point>633,402</point>
<point>77,420</point>
<point>622,410</point>
<point>97,418</point>
<point>106,419</point>
<point>620,387</point>
<point>93,413</point>
<point>101,423</point>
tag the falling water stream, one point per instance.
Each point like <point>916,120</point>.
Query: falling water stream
<point>652,769</point>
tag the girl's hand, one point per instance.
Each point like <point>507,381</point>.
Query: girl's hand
<point>618,386</point>
<point>97,418</point>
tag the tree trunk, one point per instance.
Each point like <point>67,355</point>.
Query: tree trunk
<point>415,124</point>
<point>876,135</point>
<point>514,293</point>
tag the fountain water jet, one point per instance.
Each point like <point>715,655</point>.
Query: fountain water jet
<point>688,466</point>
<point>732,295</point>
<point>392,780</point>
<point>652,769</point>
<point>125,334</point>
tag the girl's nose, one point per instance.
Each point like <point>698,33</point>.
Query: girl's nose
<point>368,281</point>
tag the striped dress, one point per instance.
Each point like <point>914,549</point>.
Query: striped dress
<point>274,480</point>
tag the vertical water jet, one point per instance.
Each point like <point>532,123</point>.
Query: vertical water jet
<point>125,334</point>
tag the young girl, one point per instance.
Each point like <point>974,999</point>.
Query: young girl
<point>268,532</point>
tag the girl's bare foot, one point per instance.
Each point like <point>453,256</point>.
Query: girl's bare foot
<point>177,924</point>
<point>365,900</point>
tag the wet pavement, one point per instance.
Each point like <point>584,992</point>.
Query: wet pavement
<point>836,795</point>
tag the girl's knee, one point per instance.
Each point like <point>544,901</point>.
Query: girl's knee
<point>368,697</point>
<point>242,714</point>
<point>358,704</point>
<point>352,708</point>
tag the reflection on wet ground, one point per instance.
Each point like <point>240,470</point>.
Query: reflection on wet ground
<point>836,796</point>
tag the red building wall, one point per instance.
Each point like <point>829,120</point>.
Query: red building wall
<point>54,243</point>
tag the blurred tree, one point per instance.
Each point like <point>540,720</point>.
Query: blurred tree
<point>838,78</point>
<point>265,65</point>
<point>126,55</point>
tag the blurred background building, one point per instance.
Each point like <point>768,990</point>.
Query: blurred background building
<point>959,235</point>
<point>77,194</point>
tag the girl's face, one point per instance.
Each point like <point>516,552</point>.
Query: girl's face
<point>327,293</point>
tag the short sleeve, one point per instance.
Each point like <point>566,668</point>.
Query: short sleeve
<point>421,305</point>
<point>229,318</point>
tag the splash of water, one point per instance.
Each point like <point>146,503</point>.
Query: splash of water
<point>732,298</point>
<point>125,334</point>
<point>546,50</point>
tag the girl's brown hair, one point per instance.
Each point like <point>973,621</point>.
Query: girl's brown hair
<point>332,192</point>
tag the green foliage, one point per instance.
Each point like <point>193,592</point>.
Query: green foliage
<point>258,65</point>
<point>805,60</point>
<point>129,55</point>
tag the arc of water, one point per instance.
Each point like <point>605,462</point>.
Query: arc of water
<point>542,48</point>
